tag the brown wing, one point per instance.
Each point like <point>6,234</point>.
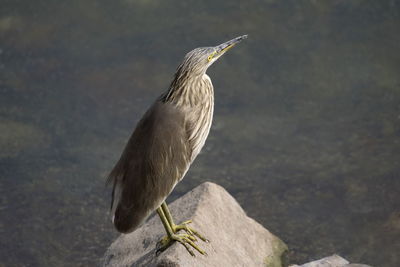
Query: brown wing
<point>154,160</point>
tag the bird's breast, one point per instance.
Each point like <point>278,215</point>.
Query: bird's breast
<point>200,119</point>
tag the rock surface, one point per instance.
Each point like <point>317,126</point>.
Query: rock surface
<point>235,239</point>
<point>331,261</point>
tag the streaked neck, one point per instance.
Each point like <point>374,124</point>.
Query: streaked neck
<point>190,91</point>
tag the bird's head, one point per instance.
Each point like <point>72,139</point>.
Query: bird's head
<point>197,61</point>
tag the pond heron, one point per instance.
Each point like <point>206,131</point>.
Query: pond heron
<point>162,147</point>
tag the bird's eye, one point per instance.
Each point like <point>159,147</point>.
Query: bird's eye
<point>210,57</point>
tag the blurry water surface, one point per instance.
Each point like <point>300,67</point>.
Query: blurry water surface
<point>305,136</point>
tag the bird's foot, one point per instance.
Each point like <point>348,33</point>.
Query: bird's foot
<point>189,230</point>
<point>186,240</point>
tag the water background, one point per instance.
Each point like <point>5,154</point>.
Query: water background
<point>305,135</point>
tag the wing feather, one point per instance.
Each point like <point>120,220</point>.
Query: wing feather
<point>155,158</point>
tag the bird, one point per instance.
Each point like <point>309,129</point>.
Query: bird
<point>165,142</point>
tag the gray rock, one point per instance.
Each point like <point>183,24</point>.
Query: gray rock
<point>331,261</point>
<point>357,265</point>
<point>235,239</point>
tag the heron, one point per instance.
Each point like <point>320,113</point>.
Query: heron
<point>162,147</point>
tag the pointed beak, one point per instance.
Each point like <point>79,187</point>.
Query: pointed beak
<point>222,48</point>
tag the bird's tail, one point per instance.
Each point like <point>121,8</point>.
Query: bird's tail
<point>130,209</point>
<point>127,219</point>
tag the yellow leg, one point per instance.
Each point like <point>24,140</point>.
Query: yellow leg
<point>171,237</point>
<point>183,226</point>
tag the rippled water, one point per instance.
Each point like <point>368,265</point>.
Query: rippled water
<point>305,136</point>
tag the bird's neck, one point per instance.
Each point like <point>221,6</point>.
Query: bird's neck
<point>194,90</point>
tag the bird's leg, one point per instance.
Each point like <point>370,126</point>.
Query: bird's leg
<point>171,237</point>
<point>183,226</point>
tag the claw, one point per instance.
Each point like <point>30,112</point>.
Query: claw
<point>184,239</point>
<point>187,239</point>
<point>189,230</point>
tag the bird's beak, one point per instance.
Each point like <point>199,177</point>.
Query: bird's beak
<point>222,48</point>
